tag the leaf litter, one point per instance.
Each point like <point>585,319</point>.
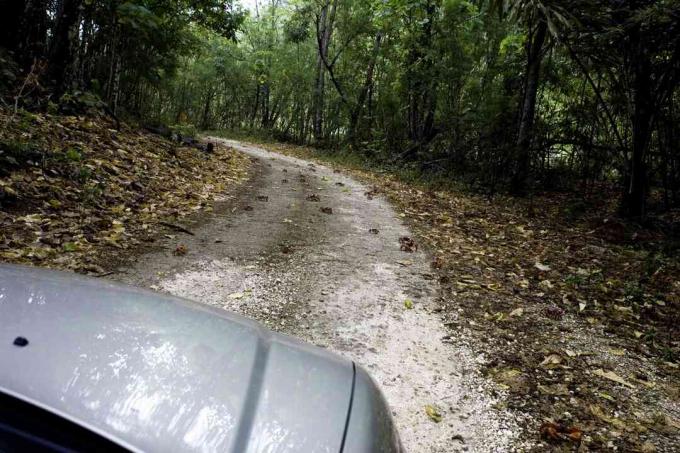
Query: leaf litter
<point>81,191</point>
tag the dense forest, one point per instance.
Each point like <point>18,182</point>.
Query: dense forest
<point>516,95</point>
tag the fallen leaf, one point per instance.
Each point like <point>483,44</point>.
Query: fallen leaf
<point>599,413</point>
<point>433,413</point>
<point>551,361</point>
<point>181,250</point>
<point>437,263</point>
<point>541,267</point>
<point>235,296</point>
<point>407,244</point>
<point>554,432</point>
<point>408,304</point>
<point>613,377</point>
<point>93,268</point>
<point>546,284</point>
<point>606,396</point>
<point>647,447</point>
<point>550,431</point>
<point>517,312</point>
<point>554,390</point>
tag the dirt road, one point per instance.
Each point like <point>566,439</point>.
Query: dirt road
<point>337,279</point>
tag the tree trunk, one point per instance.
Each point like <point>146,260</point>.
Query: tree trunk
<point>318,102</point>
<point>34,32</point>
<point>422,84</point>
<point>528,112</point>
<point>355,115</point>
<point>265,106</point>
<point>116,85</point>
<point>61,49</point>
<point>256,105</point>
<point>634,197</point>
<point>325,29</point>
<point>206,110</point>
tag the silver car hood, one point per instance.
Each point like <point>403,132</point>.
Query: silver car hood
<point>156,373</point>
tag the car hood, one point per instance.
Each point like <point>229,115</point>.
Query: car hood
<point>157,373</point>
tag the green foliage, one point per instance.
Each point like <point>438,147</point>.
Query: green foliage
<point>436,87</point>
<point>521,94</point>
<point>73,155</point>
<point>184,130</point>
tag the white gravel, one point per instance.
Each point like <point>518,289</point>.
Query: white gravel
<point>325,279</point>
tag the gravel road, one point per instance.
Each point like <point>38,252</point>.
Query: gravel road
<point>338,280</point>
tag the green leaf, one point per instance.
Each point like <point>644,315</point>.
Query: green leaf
<point>69,247</point>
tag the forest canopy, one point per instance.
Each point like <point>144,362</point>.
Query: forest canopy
<point>516,95</point>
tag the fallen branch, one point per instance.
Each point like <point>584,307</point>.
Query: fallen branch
<point>104,274</point>
<point>176,227</point>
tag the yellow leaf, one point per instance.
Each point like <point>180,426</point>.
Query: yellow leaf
<point>433,413</point>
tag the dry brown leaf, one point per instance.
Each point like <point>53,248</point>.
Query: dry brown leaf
<point>613,377</point>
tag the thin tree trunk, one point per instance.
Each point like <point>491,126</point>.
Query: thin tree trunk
<point>528,111</point>
<point>206,110</point>
<point>256,105</point>
<point>634,198</point>
<point>116,85</point>
<point>325,29</point>
<point>34,32</point>
<point>355,116</point>
<point>61,49</point>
